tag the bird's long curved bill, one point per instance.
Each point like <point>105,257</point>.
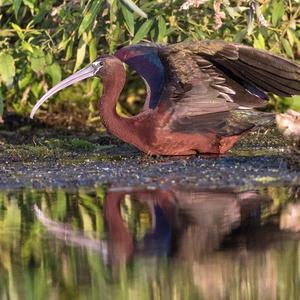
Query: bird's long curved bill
<point>82,74</point>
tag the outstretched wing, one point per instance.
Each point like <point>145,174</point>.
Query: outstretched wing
<point>211,84</point>
<point>144,59</point>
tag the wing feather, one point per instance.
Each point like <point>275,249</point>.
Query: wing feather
<point>209,82</point>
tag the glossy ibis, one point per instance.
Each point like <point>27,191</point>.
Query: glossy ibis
<point>201,96</point>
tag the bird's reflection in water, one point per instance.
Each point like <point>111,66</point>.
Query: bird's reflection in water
<point>175,222</point>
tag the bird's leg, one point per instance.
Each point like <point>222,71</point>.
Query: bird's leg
<point>148,157</point>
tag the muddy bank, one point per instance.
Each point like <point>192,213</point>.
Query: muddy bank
<point>202,172</point>
<point>38,156</point>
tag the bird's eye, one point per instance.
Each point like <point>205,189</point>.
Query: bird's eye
<point>97,65</point>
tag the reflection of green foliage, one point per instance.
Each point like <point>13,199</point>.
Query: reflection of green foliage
<point>280,197</point>
<point>63,36</point>
<point>136,216</point>
<point>93,206</point>
<point>59,207</point>
<point>35,265</point>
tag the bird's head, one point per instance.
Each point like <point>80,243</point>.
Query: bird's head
<point>101,67</point>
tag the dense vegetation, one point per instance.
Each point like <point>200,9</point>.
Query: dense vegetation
<point>41,42</point>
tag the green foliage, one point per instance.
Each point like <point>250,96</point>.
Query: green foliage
<point>44,41</point>
<point>7,68</point>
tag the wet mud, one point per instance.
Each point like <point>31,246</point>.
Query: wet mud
<point>46,157</point>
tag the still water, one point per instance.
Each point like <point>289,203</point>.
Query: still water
<point>143,243</point>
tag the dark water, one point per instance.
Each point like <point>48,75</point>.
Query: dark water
<point>102,243</point>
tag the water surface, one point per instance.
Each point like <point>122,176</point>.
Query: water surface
<point>143,243</point>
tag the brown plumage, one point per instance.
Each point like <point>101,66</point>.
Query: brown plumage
<point>202,96</point>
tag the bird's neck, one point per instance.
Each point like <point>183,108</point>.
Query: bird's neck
<point>113,84</point>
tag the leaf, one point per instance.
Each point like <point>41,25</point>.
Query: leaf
<point>277,11</point>
<point>259,42</point>
<point>143,30</point>
<point>295,103</point>
<point>287,47</point>
<point>135,8</point>
<point>43,10</point>
<point>114,37</point>
<point>232,11</point>
<point>16,6</point>
<point>93,49</point>
<point>291,37</point>
<point>36,89</point>
<point>96,86</point>
<point>5,3</point>
<point>30,4</point>
<point>64,42</point>
<point>49,58</point>
<point>87,36</point>
<point>54,71</point>
<point>37,60</point>
<point>90,16</point>
<point>23,82</point>
<point>162,28</point>
<point>6,32</point>
<point>7,68</point>
<point>80,54</point>
<point>18,30</point>
<point>240,35</point>
<point>27,46</point>
<point>69,51</point>
<point>128,17</point>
